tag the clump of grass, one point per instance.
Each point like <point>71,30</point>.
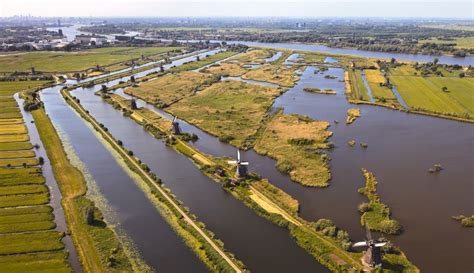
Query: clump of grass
<point>375,214</point>
<point>352,115</point>
<point>466,221</point>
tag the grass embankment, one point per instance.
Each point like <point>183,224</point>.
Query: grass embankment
<point>231,110</point>
<point>203,61</point>
<point>296,142</point>
<point>209,249</point>
<point>225,69</point>
<point>255,56</point>
<point>375,214</point>
<point>277,74</point>
<point>28,241</point>
<point>319,91</point>
<point>168,89</point>
<point>98,246</point>
<point>358,90</point>
<point>75,61</point>
<point>352,115</point>
<point>426,94</point>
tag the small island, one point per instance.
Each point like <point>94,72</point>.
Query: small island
<point>319,91</point>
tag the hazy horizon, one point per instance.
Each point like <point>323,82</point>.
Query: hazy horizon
<point>231,8</point>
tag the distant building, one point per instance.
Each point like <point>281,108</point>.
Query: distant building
<point>91,39</point>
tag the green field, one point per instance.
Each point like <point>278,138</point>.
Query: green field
<point>461,42</point>
<point>74,61</point>
<point>231,110</point>
<point>359,92</point>
<point>374,79</point>
<point>426,94</point>
<point>10,88</point>
<point>170,88</point>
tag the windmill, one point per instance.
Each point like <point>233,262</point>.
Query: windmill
<point>241,166</point>
<point>373,256</point>
<point>176,130</point>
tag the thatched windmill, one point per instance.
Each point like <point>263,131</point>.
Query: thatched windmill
<point>241,166</point>
<point>373,256</point>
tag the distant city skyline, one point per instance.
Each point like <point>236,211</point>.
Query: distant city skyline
<point>226,8</point>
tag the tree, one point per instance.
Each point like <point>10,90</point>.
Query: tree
<point>89,215</point>
<point>103,89</point>
<point>435,61</point>
<point>132,78</point>
<point>393,60</point>
<point>444,88</point>
<point>462,75</point>
<point>41,160</point>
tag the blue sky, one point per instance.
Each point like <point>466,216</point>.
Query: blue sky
<point>197,8</point>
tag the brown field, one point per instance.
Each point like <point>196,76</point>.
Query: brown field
<point>295,142</point>
<point>231,110</point>
<point>14,138</point>
<point>277,74</point>
<point>225,69</point>
<point>170,88</point>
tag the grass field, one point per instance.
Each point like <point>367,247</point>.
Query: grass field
<point>295,142</point>
<point>255,56</point>
<point>51,261</point>
<point>6,129</point>
<point>74,61</point>
<point>375,78</point>
<point>277,74</point>
<point>225,69</point>
<point>10,88</point>
<point>461,42</point>
<point>231,110</point>
<point>375,214</point>
<point>426,94</point>
<point>170,88</point>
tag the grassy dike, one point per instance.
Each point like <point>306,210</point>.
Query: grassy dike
<point>209,249</point>
<point>265,199</point>
<point>98,247</point>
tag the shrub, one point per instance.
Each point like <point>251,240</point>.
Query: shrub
<point>285,166</point>
<point>364,207</point>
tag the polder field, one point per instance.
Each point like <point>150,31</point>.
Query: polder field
<point>75,61</point>
<point>449,95</point>
<point>28,239</point>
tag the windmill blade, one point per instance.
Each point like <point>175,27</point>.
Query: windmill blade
<point>358,244</point>
<point>238,155</point>
<point>367,231</point>
<point>174,119</point>
<point>244,163</point>
<point>380,244</point>
<point>232,162</point>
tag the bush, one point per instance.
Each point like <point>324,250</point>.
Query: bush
<point>390,227</point>
<point>322,224</point>
<point>300,141</point>
<point>285,166</point>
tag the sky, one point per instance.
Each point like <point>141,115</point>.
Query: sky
<point>463,9</point>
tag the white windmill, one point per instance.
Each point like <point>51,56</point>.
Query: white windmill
<point>241,166</point>
<point>373,256</point>
<point>176,130</point>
